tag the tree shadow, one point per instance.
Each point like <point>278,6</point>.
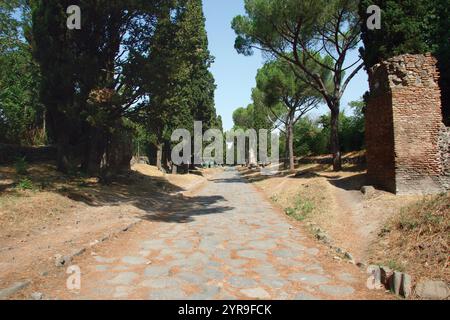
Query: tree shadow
<point>191,207</point>
<point>353,183</point>
<point>159,199</point>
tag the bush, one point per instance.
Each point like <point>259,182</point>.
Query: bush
<point>25,184</point>
<point>301,210</point>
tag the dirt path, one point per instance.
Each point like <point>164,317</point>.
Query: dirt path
<point>232,244</point>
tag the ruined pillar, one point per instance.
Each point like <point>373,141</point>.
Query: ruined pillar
<point>407,142</point>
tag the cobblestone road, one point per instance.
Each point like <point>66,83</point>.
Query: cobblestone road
<point>234,245</point>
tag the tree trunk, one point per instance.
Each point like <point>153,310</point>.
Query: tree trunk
<point>95,151</point>
<point>334,139</point>
<point>159,156</point>
<point>290,130</point>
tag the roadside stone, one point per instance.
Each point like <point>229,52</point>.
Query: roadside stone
<point>323,237</point>
<point>349,257</point>
<point>385,276</point>
<point>368,191</point>
<point>374,281</point>
<point>433,290</point>
<point>406,287</point>
<point>256,293</point>
<point>395,283</point>
<point>37,296</point>
<point>16,287</point>
<point>61,261</point>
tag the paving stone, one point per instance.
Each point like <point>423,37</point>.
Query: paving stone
<point>134,260</point>
<point>156,271</point>
<point>313,279</point>
<point>236,263</point>
<point>256,293</point>
<point>252,254</point>
<point>276,283</point>
<point>122,292</point>
<point>160,283</point>
<point>154,244</point>
<point>16,287</point>
<point>124,278</point>
<point>213,274</point>
<point>104,260</point>
<point>347,277</point>
<point>305,296</point>
<point>101,268</point>
<point>172,294</point>
<point>103,292</point>
<point>314,267</point>
<point>263,245</point>
<point>194,278</point>
<point>207,293</point>
<point>336,291</point>
<point>241,282</point>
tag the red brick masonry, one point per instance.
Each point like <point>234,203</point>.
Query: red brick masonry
<point>407,142</point>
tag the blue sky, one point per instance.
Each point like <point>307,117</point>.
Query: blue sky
<point>234,73</point>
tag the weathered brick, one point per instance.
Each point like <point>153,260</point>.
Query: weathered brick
<point>407,142</point>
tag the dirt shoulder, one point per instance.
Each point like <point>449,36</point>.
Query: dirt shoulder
<point>44,213</point>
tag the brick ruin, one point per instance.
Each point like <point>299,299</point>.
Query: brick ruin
<point>407,142</point>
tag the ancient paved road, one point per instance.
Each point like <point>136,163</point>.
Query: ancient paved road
<point>235,245</point>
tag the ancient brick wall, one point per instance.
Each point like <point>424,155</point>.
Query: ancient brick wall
<point>406,138</point>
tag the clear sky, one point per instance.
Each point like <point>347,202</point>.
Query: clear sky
<point>235,74</point>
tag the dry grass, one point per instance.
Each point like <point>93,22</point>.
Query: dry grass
<point>416,240</point>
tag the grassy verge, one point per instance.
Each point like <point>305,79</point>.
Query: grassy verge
<point>417,239</point>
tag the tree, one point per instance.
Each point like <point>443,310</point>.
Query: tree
<point>21,115</point>
<point>178,78</point>
<point>287,97</point>
<point>296,31</point>
<point>414,27</point>
<point>88,84</point>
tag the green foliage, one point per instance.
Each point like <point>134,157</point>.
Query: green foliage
<point>310,139</point>
<point>21,115</point>
<point>21,166</point>
<point>302,208</point>
<point>407,26</point>
<point>25,184</point>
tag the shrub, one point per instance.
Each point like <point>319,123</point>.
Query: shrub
<point>25,184</point>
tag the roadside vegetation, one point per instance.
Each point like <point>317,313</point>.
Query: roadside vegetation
<point>416,240</point>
